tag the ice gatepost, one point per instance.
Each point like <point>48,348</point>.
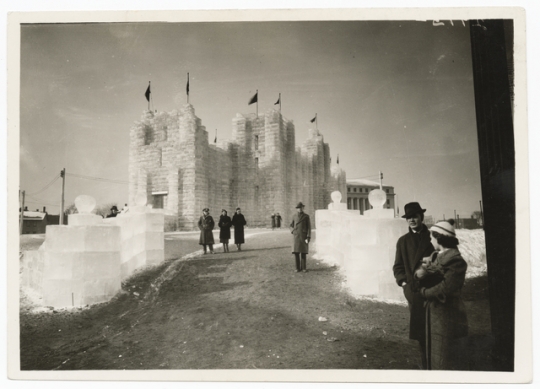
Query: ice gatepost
<point>142,235</point>
<point>85,261</point>
<point>363,246</point>
<point>78,264</point>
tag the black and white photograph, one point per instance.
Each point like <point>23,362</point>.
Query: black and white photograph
<point>290,195</point>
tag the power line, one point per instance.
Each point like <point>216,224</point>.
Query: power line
<point>45,187</point>
<point>111,180</point>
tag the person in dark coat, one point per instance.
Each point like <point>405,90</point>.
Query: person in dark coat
<point>273,217</point>
<point>206,225</point>
<point>301,230</point>
<point>238,222</point>
<point>224,225</point>
<point>441,278</point>
<point>411,248</point>
<point>278,220</point>
<point>114,212</point>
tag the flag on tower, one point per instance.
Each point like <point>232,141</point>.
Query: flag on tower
<point>278,100</point>
<point>187,85</point>
<point>147,93</point>
<point>215,139</point>
<point>254,98</point>
<point>315,118</point>
<point>337,159</point>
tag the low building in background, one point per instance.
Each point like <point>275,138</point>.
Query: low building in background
<point>358,192</point>
<point>36,222</point>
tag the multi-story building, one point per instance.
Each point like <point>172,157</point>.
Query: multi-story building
<point>358,192</point>
<point>260,170</point>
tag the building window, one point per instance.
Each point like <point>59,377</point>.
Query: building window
<point>348,189</point>
<point>386,190</point>
<point>159,200</point>
<point>256,142</point>
<point>354,189</point>
<point>349,202</point>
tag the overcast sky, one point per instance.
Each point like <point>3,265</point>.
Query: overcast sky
<point>391,96</point>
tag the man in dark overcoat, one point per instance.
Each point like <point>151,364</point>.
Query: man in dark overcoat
<point>410,250</point>
<point>238,222</point>
<point>206,225</point>
<point>301,231</point>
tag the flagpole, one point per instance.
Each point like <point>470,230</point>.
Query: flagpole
<point>257,109</point>
<point>187,88</point>
<point>149,94</point>
<point>280,103</point>
<point>316,123</point>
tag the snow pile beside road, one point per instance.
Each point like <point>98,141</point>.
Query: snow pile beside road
<point>472,246</point>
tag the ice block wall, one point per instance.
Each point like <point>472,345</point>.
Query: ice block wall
<point>364,249</point>
<point>81,265</point>
<point>142,238</point>
<point>85,261</point>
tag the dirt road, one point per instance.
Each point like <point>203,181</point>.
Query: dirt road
<point>241,310</point>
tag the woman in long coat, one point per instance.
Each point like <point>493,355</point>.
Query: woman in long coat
<point>224,230</point>
<point>301,231</point>
<point>238,222</point>
<point>441,278</point>
<point>206,225</point>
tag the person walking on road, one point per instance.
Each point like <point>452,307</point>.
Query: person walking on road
<point>224,225</point>
<point>411,248</point>
<point>206,225</point>
<point>238,222</point>
<point>301,230</point>
<point>273,217</point>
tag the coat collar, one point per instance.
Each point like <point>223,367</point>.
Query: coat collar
<point>423,230</point>
<point>301,216</point>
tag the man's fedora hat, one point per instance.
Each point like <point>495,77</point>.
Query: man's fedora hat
<point>412,209</point>
<point>299,205</point>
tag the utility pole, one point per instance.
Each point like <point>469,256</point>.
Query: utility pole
<point>63,175</point>
<point>22,213</point>
<point>380,179</point>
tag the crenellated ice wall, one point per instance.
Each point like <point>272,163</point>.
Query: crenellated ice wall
<point>260,169</point>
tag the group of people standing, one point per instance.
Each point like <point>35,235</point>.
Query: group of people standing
<point>206,225</point>
<point>431,271</point>
<point>276,220</point>
<point>300,228</point>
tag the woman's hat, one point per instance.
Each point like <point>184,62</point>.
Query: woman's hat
<point>445,227</point>
<point>206,210</point>
<point>412,209</point>
<point>300,205</point>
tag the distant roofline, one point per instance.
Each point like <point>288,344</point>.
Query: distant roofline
<point>364,182</point>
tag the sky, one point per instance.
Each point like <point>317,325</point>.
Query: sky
<point>390,96</point>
